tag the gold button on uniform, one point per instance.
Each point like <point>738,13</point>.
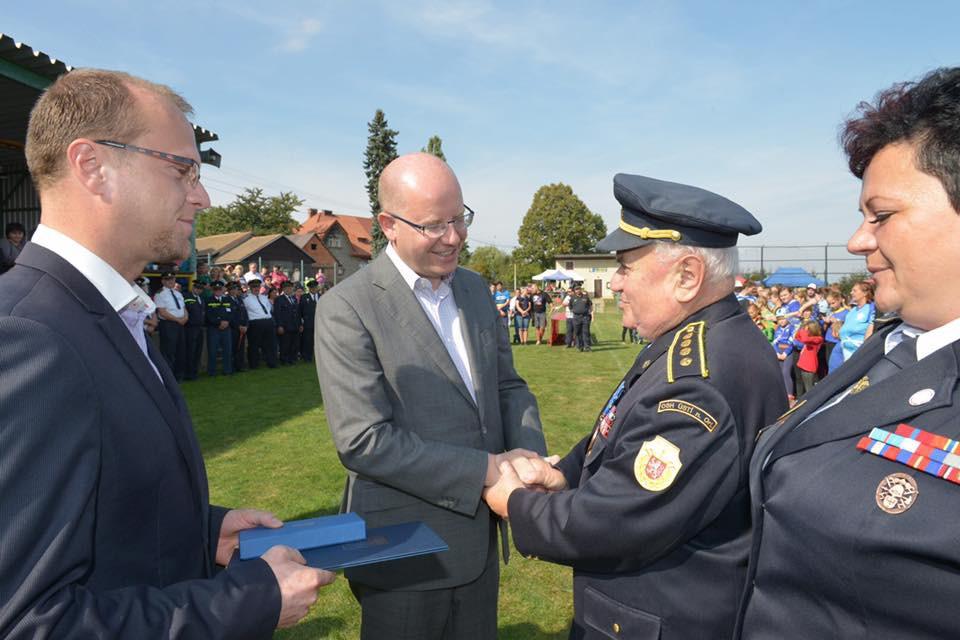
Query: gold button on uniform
<point>616,628</point>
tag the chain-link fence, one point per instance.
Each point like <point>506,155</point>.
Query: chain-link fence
<point>830,262</point>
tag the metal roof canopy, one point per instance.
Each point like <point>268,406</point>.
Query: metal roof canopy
<point>24,73</point>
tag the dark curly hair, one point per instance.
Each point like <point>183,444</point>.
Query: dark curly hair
<point>924,113</point>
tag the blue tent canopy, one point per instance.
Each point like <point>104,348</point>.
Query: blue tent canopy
<point>792,277</point>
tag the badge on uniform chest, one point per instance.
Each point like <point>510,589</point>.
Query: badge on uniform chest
<point>924,451</point>
<point>609,413</point>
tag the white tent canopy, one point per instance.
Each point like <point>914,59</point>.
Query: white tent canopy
<point>572,275</point>
<point>552,274</point>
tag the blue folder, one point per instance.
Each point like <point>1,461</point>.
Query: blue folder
<point>303,534</point>
<point>382,544</point>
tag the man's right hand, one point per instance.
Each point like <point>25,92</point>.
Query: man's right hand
<point>298,583</point>
<point>539,473</point>
<point>494,462</point>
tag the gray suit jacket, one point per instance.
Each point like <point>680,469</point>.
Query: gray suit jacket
<point>413,440</point>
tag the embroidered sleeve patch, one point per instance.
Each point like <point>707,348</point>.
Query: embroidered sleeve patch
<point>657,464</point>
<point>689,409</point>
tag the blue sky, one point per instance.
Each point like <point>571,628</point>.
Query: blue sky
<point>743,98</point>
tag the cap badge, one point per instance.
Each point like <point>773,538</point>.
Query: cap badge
<point>657,464</point>
<point>896,493</point>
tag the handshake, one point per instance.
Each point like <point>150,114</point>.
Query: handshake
<point>519,469</point>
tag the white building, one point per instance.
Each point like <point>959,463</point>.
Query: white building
<point>596,269</point>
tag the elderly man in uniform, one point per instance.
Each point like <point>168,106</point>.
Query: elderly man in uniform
<point>855,492</point>
<point>650,508</point>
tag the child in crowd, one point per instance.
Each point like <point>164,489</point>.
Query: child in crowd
<point>784,347</point>
<point>809,339</point>
<point>753,310</point>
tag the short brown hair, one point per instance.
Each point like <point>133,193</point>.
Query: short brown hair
<point>867,289</point>
<point>86,103</point>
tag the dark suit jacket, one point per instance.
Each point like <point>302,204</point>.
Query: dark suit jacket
<point>663,560</point>
<point>308,311</point>
<point>286,313</point>
<point>105,523</point>
<point>404,423</point>
<point>827,561</point>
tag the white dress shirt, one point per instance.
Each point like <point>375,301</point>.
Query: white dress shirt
<point>171,301</point>
<point>123,296</point>
<point>254,309</point>
<point>441,307</point>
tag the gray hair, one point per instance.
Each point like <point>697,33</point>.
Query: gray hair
<point>721,264</point>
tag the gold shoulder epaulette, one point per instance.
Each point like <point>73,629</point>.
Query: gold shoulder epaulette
<point>687,355</point>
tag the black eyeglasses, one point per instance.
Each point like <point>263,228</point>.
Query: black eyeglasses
<point>190,168</point>
<point>438,229</point>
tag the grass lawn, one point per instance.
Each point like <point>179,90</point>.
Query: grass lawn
<point>266,444</point>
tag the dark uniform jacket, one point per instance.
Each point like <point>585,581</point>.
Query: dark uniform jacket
<point>195,309</point>
<point>655,522</point>
<point>219,310</point>
<point>240,317</point>
<point>308,311</point>
<point>105,520</point>
<point>827,560</point>
<point>286,313</point>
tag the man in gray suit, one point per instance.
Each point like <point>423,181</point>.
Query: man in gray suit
<point>424,403</point>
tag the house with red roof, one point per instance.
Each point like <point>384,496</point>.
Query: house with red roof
<point>347,239</point>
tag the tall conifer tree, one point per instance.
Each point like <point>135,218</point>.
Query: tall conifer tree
<point>381,150</point>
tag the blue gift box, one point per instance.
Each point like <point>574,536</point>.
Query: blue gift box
<point>303,534</point>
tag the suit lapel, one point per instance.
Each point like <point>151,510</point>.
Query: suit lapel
<point>467,308</point>
<point>887,402</point>
<point>823,392</point>
<point>653,352</point>
<point>402,305</point>
<point>116,332</point>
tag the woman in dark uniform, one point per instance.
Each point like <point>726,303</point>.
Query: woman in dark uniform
<point>854,492</point>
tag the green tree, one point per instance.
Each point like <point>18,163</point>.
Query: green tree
<point>381,150</point>
<point>434,146</point>
<point>557,222</point>
<point>465,253</point>
<point>524,269</point>
<point>492,263</point>
<point>251,211</point>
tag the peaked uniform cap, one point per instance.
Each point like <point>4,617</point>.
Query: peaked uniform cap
<point>660,210</point>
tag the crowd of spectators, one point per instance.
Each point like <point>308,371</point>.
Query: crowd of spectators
<point>531,308</point>
<point>239,318</point>
<point>813,330</point>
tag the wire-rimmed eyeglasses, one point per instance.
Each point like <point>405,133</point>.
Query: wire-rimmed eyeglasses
<point>438,229</point>
<point>190,168</point>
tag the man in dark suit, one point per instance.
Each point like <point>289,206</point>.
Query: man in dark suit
<point>854,493</point>
<point>308,311</point>
<point>423,401</point>
<point>105,518</point>
<point>650,508</point>
<point>286,314</point>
